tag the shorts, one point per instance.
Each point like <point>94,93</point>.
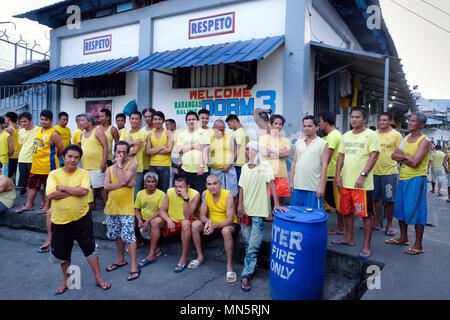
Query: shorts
<point>410,193</point>
<point>120,227</point>
<point>228,179</point>
<point>36,180</point>
<point>24,172</point>
<point>282,186</point>
<point>448,180</point>
<point>356,201</point>
<point>163,176</point>
<point>385,187</point>
<point>12,167</point>
<point>195,182</point>
<point>306,198</point>
<point>63,236</point>
<point>437,175</point>
<point>97,178</point>
<point>166,233</point>
<point>217,233</point>
<point>5,170</point>
<point>332,194</point>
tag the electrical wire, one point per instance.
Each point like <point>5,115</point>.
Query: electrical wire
<point>437,8</point>
<point>429,21</point>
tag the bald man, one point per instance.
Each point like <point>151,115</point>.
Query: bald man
<point>224,153</point>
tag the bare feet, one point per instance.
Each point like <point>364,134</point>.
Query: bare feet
<point>336,231</point>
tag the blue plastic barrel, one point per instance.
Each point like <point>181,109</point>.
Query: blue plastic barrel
<point>298,254</point>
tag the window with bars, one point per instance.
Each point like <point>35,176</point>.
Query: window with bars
<point>101,86</point>
<point>220,75</point>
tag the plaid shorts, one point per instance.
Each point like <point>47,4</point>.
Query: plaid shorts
<point>120,227</point>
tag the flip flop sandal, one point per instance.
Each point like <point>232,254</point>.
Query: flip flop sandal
<point>231,277</point>
<point>108,286</point>
<point>116,266</point>
<point>44,249</point>
<point>333,232</point>
<point>390,233</point>
<point>194,264</point>
<point>245,287</point>
<point>21,210</point>
<point>394,241</point>
<point>413,252</point>
<point>146,262</point>
<point>341,243</point>
<point>131,274</point>
<point>59,292</point>
<point>365,254</point>
<point>179,267</point>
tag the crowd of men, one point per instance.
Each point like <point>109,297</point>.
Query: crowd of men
<point>156,180</point>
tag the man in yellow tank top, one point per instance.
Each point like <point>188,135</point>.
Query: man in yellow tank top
<point>26,139</point>
<point>224,153</point>
<point>175,216</point>
<point>410,205</point>
<point>111,132</point>
<point>120,180</point>
<point>6,147</point>
<point>47,148</point>
<point>159,147</point>
<point>64,131</point>
<point>95,154</point>
<point>13,129</point>
<point>77,133</point>
<point>217,215</point>
<point>147,114</point>
<point>121,121</point>
<point>437,169</point>
<point>447,171</point>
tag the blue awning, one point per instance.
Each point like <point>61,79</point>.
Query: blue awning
<point>85,70</point>
<point>230,52</point>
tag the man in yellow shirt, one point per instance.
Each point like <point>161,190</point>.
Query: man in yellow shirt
<point>223,155</point>
<point>121,121</point>
<point>385,173</point>
<point>159,148</point>
<point>437,169</point>
<point>193,145</point>
<point>136,138</point>
<point>203,115</point>
<point>358,154</point>
<point>111,133</point>
<point>217,216</point>
<point>447,170</point>
<point>65,133</point>
<point>78,131</point>
<point>120,179</point>
<point>67,189</point>
<point>174,217</point>
<point>147,114</point>
<point>332,191</point>
<point>13,129</point>
<point>241,138</point>
<point>6,147</point>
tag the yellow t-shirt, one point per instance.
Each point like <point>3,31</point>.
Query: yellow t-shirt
<point>437,160</point>
<point>15,139</point>
<point>407,172</point>
<point>221,151</point>
<point>389,142</point>
<point>334,139</point>
<point>140,154</point>
<point>146,157</point>
<point>4,148</point>
<point>241,140</point>
<point>192,158</point>
<point>77,135</point>
<point>357,149</point>
<point>92,151</point>
<point>163,160</point>
<point>44,155</point>
<point>176,204</point>
<point>71,208</point>
<point>65,134</point>
<point>218,211</point>
<point>120,201</point>
<point>149,203</point>
<point>109,140</point>
<point>26,140</point>
<point>255,186</point>
<point>278,165</point>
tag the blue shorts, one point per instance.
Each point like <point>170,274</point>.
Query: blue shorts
<point>5,170</point>
<point>306,198</point>
<point>406,198</point>
<point>120,227</point>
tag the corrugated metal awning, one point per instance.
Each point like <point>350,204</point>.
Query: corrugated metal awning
<point>85,70</point>
<point>230,52</point>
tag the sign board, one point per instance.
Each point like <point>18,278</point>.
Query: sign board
<point>97,44</point>
<point>212,25</point>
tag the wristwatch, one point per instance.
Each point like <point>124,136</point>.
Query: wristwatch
<point>186,199</point>
<point>364,174</point>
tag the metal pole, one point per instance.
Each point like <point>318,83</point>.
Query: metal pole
<point>386,84</point>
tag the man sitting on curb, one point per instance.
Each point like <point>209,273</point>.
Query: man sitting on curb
<point>218,204</point>
<point>175,217</point>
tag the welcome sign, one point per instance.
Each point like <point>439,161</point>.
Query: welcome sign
<point>211,26</point>
<point>97,44</point>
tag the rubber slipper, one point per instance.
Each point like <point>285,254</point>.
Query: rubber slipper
<point>194,264</point>
<point>58,292</point>
<point>146,262</point>
<point>44,249</point>
<point>179,267</point>
<point>365,254</point>
<point>333,232</point>
<point>42,211</point>
<point>394,241</point>
<point>116,266</point>
<point>22,210</point>
<point>245,287</point>
<point>341,243</point>
<point>104,288</point>
<point>390,233</point>
<point>413,252</point>
<point>231,277</point>
<point>131,274</point>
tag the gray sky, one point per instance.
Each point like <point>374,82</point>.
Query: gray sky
<point>424,48</point>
